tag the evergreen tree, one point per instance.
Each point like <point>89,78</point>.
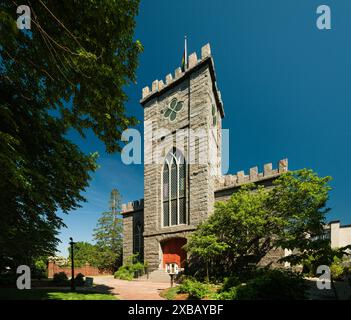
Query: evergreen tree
<point>108,235</point>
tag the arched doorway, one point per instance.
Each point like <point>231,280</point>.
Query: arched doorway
<point>173,252</point>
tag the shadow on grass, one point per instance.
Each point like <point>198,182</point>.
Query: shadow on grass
<point>97,292</point>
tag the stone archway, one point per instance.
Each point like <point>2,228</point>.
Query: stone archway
<point>172,252</point>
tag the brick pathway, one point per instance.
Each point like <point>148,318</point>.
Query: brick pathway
<point>130,290</point>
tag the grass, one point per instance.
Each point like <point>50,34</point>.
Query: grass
<point>174,294</point>
<point>52,294</point>
<point>169,293</point>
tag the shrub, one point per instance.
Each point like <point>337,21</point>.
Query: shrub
<point>309,266</point>
<point>60,278</point>
<point>230,294</point>
<point>39,269</point>
<point>195,289</point>
<point>138,269</point>
<point>79,280</point>
<point>274,284</point>
<point>8,279</point>
<point>130,270</point>
<point>337,270</point>
<point>267,285</point>
<point>230,282</point>
<point>124,273</point>
<point>181,277</point>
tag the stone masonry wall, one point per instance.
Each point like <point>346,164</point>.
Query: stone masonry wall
<point>130,219</point>
<point>225,186</point>
<point>127,235</point>
<point>196,87</point>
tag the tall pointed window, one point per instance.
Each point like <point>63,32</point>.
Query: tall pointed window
<point>174,186</point>
<point>138,241</point>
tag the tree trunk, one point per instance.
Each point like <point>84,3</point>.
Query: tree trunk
<point>207,273</point>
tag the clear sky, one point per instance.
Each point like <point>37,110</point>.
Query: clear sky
<point>285,86</point>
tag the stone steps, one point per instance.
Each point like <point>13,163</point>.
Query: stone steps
<point>159,276</point>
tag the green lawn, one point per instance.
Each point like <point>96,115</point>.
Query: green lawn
<point>169,293</point>
<point>51,294</point>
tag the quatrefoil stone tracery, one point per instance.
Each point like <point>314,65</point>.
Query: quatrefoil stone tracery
<point>174,107</point>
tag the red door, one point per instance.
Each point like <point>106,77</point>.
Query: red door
<point>173,252</point>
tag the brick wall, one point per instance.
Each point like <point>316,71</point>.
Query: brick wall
<point>87,270</point>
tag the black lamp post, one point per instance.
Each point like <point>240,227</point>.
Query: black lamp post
<point>73,285</point>
<point>172,278</point>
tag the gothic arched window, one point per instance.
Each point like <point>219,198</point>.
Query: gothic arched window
<point>138,240</point>
<point>174,189</point>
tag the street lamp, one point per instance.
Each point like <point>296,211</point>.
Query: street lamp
<point>73,285</point>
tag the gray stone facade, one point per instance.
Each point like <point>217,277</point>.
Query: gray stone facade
<point>196,87</point>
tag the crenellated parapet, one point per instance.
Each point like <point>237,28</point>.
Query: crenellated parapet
<point>228,181</point>
<point>133,206</point>
<point>158,86</point>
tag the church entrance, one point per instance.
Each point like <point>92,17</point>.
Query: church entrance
<point>173,253</point>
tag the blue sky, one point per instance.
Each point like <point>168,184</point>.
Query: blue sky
<point>285,85</point>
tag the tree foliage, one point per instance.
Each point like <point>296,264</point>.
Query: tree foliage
<point>108,236</point>
<point>256,219</point>
<point>68,72</point>
<point>207,246</point>
<point>80,50</point>
<point>84,252</point>
<point>41,172</point>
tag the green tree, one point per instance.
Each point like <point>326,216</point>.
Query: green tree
<point>41,172</point>
<point>300,198</point>
<point>84,252</point>
<point>207,246</point>
<point>108,235</point>
<point>39,268</point>
<point>256,219</point>
<point>81,51</point>
<point>68,72</point>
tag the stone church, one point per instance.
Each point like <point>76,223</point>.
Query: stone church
<point>179,193</point>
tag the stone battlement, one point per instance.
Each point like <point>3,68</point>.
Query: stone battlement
<point>133,206</point>
<point>229,181</point>
<point>193,61</point>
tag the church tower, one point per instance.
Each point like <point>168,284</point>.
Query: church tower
<point>182,167</point>
<point>182,136</point>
